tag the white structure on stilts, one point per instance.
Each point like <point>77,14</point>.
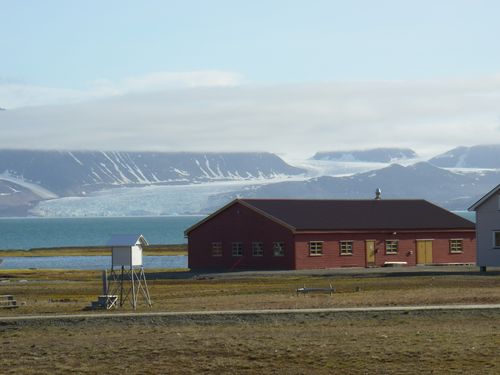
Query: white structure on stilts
<point>127,279</point>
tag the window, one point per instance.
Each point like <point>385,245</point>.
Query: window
<point>391,246</point>
<point>345,247</point>
<point>496,239</point>
<point>456,246</point>
<point>278,249</point>
<point>216,249</point>
<point>316,248</point>
<point>257,249</point>
<point>237,249</point>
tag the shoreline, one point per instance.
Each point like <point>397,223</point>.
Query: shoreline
<point>160,250</point>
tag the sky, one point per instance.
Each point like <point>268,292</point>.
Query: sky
<point>290,77</point>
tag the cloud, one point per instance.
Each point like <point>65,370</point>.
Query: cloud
<point>429,116</point>
<point>165,80</point>
<point>15,95</point>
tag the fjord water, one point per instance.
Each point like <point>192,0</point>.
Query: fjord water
<point>88,262</point>
<point>28,233</point>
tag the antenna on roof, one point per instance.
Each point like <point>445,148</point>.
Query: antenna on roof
<point>378,194</point>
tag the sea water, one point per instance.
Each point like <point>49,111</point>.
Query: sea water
<point>28,233</point>
<point>88,262</point>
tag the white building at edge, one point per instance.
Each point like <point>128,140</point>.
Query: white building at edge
<point>488,229</point>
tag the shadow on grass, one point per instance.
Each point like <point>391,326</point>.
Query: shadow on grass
<point>330,273</point>
<point>181,275</point>
<point>441,273</point>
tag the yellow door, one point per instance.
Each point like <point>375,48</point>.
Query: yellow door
<point>370,252</point>
<point>424,251</point>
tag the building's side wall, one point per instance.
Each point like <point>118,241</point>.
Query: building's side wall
<point>407,249</point>
<point>121,256</point>
<point>137,255</point>
<point>441,248</point>
<point>239,224</point>
<point>487,221</point>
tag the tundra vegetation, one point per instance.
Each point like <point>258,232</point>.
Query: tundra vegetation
<point>341,342</point>
<point>92,251</point>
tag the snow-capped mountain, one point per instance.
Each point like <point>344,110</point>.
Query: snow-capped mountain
<point>452,190</point>
<point>15,200</point>
<point>53,183</point>
<point>71,173</point>
<point>375,155</point>
<point>481,156</point>
<point>418,181</point>
<point>51,174</point>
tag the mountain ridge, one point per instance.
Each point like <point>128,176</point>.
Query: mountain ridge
<point>95,183</point>
<point>376,155</point>
<point>70,172</point>
<point>456,191</point>
<point>479,156</point>
<point>52,174</point>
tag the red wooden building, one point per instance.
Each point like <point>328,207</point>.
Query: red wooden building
<point>307,234</point>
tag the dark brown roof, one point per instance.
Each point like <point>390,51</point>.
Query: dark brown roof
<point>327,215</point>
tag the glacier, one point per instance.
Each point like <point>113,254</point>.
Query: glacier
<point>151,200</point>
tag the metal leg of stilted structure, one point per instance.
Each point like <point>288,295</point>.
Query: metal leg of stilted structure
<point>134,292</point>
<point>119,284</point>
<point>145,289</point>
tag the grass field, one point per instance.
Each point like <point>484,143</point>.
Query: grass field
<point>338,343</point>
<point>356,343</point>
<point>66,291</point>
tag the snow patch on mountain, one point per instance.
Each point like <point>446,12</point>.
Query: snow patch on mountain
<point>34,188</point>
<point>480,156</point>
<point>74,158</point>
<point>376,155</point>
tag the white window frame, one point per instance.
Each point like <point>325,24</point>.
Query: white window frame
<point>315,248</point>
<point>237,249</point>
<point>257,249</point>
<point>454,242</point>
<point>495,245</point>
<point>216,249</point>
<point>279,249</point>
<point>346,247</point>
<point>392,242</point>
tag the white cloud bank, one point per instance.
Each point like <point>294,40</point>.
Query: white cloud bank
<point>300,119</point>
<point>15,95</point>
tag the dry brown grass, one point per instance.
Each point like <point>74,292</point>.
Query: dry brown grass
<point>356,343</point>
<point>71,291</point>
<point>328,343</point>
<point>92,251</point>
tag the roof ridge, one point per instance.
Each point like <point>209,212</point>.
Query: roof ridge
<point>358,213</point>
<point>335,199</point>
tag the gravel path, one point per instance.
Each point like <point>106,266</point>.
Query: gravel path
<point>233,313</point>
